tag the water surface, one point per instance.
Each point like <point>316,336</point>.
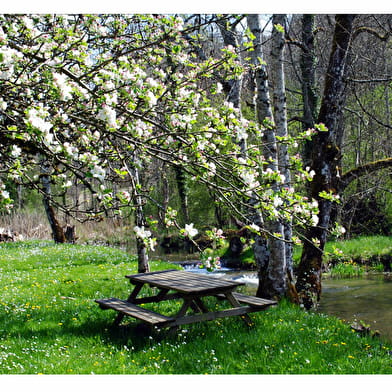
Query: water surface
<point>367,299</point>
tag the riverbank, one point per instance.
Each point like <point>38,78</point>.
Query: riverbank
<point>51,325</point>
<point>343,258</point>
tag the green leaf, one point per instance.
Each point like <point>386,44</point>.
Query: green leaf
<point>321,127</point>
<point>279,28</point>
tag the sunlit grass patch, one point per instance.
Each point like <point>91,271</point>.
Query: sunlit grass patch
<point>50,324</point>
<point>347,269</point>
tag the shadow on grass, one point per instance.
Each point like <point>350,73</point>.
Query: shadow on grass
<point>130,333</point>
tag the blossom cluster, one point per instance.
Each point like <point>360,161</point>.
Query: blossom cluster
<point>145,236</point>
<point>211,263</point>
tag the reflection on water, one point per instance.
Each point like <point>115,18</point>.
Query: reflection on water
<point>367,299</point>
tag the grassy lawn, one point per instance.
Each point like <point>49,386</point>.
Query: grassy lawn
<point>50,324</point>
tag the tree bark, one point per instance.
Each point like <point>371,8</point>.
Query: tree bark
<point>324,158</point>
<point>140,221</point>
<point>57,230</point>
<point>182,186</point>
<point>232,87</point>
<point>362,170</point>
<point>269,253</point>
<point>308,72</point>
<point>280,114</point>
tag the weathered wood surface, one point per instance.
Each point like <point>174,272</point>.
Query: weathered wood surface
<point>251,300</point>
<point>185,282</point>
<point>135,311</point>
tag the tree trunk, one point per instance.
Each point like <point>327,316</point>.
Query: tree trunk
<point>308,72</point>
<point>324,156</point>
<point>231,87</point>
<point>280,114</point>
<point>182,186</point>
<point>57,230</point>
<point>140,221</point>
<point>269,254</point>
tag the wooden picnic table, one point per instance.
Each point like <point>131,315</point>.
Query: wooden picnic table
<point>191,288</point>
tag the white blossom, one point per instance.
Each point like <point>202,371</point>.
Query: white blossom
<point>61,84</point>
<point>141,232</point>
<point>254,227</point>
<point>277,201</point>
<point>98,172</point>
<point>3,104</point>
<point>16,151</point>
<point>36,121</point>
<point>241,134</point>
<point>315,220</point>
<point>5,194</point>
<point>108,115</point>
<point>152,99</point>
<point>190,231</point>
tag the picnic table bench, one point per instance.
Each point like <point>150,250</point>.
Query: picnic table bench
<point>191,288</point>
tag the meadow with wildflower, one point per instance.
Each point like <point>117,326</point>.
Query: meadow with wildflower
<point>51,325</point>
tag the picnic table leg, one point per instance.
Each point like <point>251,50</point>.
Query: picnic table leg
<point>187,303</point>
<point>201,305</point>
<point>131,297</point>
<point>230,297</point>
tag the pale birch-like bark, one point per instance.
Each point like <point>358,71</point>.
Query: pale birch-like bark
<point>308,78</point>
<point>280,115</point>
<point>271,264</point>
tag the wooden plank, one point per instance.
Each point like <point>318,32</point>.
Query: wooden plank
<point>156,298</point>
<point>145,274</point>
<point>253,301</point>
<point>185,282</point>
<point>250,300</point>
<point>242,310</point>
<point>135,311</point>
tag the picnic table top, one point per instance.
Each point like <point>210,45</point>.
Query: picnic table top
<point>184,281</point>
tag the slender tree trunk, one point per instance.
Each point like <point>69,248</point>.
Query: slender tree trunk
<point>140,221</point>
<point>262,104</point>
<point>280,114</point>
<point>165,191</point>
<point>308,76</point>
<point>324,158</point>
<point>57,230</point>
<point>272,263</point>
<point>232,87</point>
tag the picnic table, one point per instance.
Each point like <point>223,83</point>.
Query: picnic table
<point>191,288</point>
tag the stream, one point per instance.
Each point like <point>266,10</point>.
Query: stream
<point>367,299</point>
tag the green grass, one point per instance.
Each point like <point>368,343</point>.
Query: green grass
<point>50,324</point>
<point>347,269</point>
<point>362,248</point>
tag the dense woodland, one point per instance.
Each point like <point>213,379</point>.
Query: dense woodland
<point>275,124</point>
